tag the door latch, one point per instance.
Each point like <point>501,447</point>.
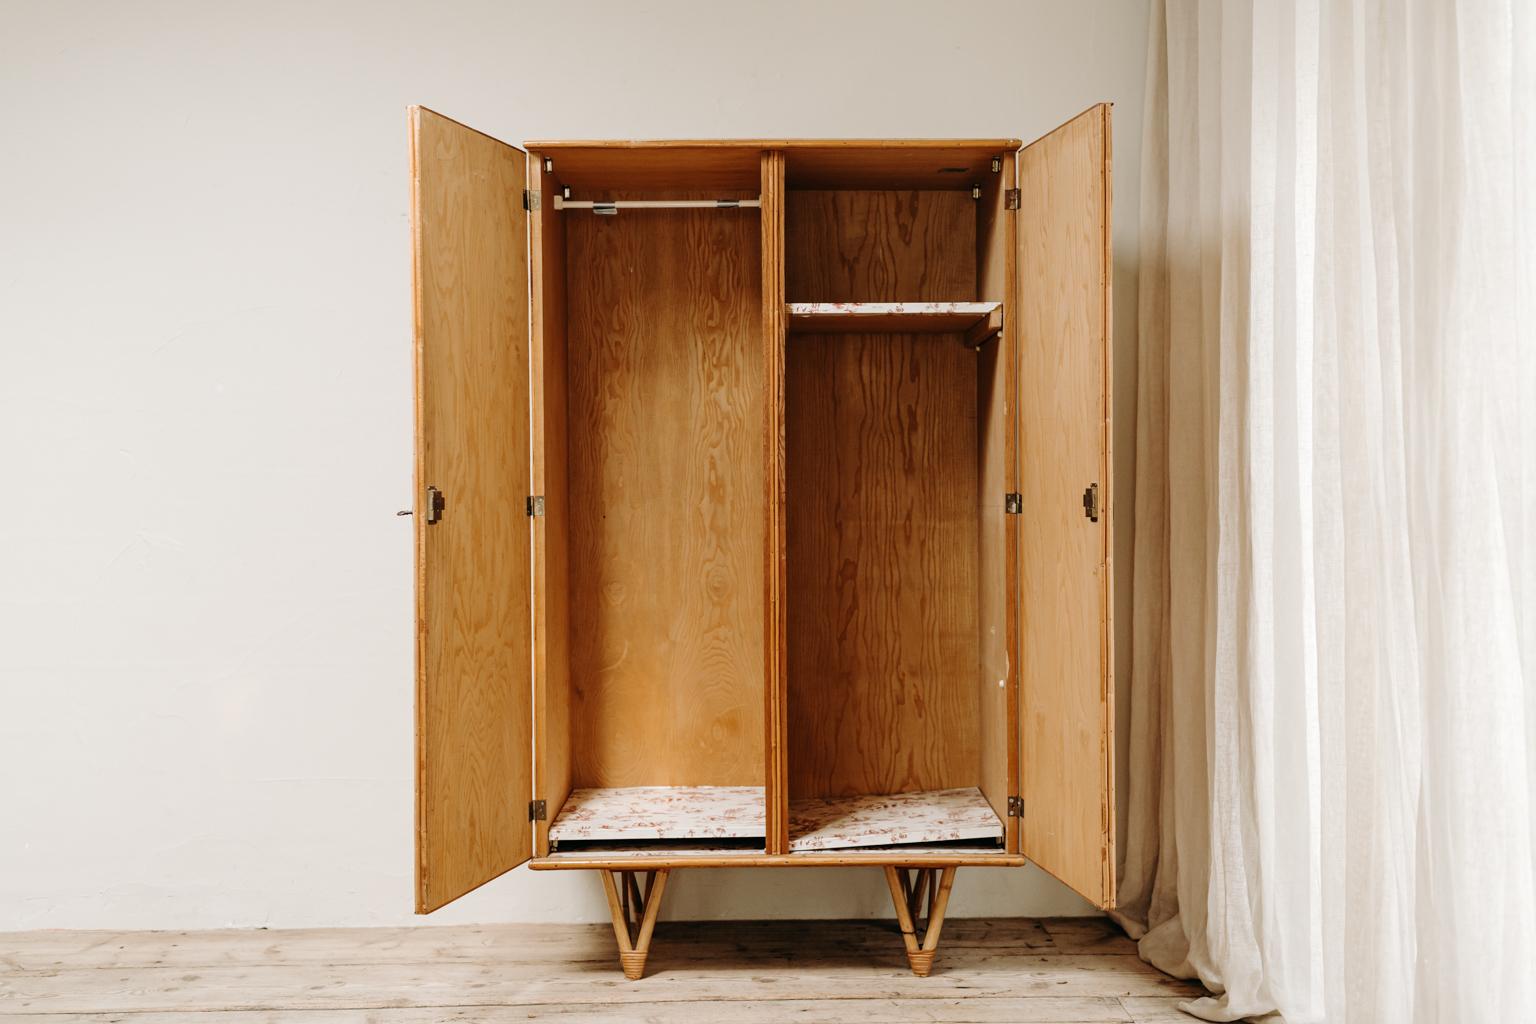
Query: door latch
<point>436,503</point>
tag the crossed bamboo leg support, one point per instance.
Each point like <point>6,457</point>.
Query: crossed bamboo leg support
<point>634,913</point>
<point>909,889</point>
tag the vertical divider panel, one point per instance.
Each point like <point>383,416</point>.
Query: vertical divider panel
<point>551,532</point>
<point>775,639</point>
<point>997,599</point>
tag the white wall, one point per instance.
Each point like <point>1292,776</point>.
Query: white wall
<point>205,405</point>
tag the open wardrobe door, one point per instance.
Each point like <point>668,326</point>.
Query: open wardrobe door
<point>473,558</point>
<point>1066,650</point>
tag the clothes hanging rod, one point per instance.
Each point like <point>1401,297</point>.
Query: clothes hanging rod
<point>614,206</point>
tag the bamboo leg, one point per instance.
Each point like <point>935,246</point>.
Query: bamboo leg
<point>616,909</point>
<point>636,901</point>
<point>918,890</point>
<point>634,932</point>
<point>894,879</point>
<point>936,911</point>
<point>908,899</point>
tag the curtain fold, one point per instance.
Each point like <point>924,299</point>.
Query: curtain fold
<point>1333,748</point>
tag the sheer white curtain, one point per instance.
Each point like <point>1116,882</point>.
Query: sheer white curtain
<point>1333,754</point>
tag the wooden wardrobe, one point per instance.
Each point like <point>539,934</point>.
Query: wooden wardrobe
<point>763,512</point>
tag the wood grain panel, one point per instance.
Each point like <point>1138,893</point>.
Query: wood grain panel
<point>551,532</point>
<point>665,423</point>
<point>1065,404</point>
<point>811,163</point>
<point>775,596</point>
<point>953,166</point>
<point>996,458</point>
<point>890,246</point>
<point>881,466</point>
<point>649,169</point>
<point>473,586</point>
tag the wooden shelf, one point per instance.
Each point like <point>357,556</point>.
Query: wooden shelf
<point>978,321</point>
<point>660,812</point>
<point>900,819</point>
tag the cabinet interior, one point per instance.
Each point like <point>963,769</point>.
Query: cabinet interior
<point>649,327</point>
<point>892,439</point>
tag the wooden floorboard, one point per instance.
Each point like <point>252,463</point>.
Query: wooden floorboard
<point>1067,971</point>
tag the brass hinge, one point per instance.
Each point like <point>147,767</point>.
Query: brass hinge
<point>436,503</point>
<point>530,199</point>
<point>536,504</point>
<point>1091,502</point>
<point>1011,199</point>
<point>536,811</point>
<point>1013,503</point>
<point>1015,807</point>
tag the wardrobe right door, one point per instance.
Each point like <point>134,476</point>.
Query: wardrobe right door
<point>1066,633</point>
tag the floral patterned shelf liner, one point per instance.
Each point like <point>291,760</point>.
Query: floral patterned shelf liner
<point>736,812</point>
<point>936,816</point>
<point>661,812</point>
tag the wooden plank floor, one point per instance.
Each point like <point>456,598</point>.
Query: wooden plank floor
<point>1076,970</point>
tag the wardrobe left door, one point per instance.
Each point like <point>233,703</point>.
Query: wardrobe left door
<point>473,552</point>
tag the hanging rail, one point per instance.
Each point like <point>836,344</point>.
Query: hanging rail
<point>614,206</point>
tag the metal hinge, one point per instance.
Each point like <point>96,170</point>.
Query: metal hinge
<point>549,165</point>
<point>1011,199</point>
<point>1013,503</point>
<point>536,811</point>
<point>975,191</point>
<point>997,164</point>
<point>1091,502</point>
<point>436,503</point>
<point>530,199</point>
<point>536,504</point>
<point>1015,807</point>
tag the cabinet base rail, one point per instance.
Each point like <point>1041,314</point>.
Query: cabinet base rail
<point>920,895</point>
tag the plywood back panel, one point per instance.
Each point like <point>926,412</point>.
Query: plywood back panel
<point>665,423</point>
<point>880,246</point>
<point>996,461</point>
<point>1064,401</point>
<point>551,532</point>
<point>599,167</point>
<point>881,455</point>
<point>474,578</point>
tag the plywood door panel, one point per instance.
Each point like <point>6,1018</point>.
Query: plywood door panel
<point>1064,402</point>
<point>881,466</point>
<point>473,598</point>
<point>551,532</point>
<point>889,246</point>
<point>996,462</point>
<point>665,422</point>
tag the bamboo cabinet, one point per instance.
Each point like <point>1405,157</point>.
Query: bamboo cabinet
<point>763,512</point>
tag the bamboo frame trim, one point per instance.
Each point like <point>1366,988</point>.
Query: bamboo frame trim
<point>654,861</point>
